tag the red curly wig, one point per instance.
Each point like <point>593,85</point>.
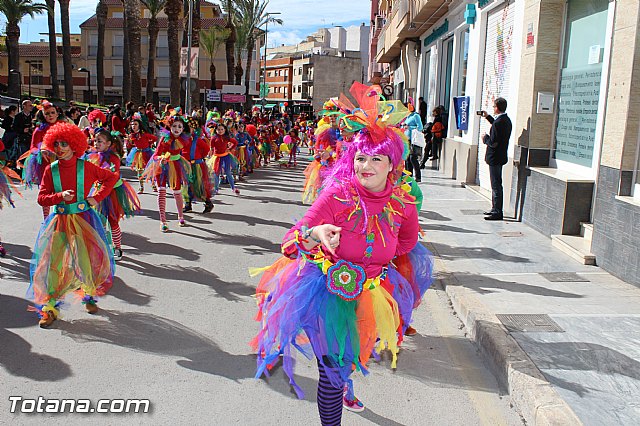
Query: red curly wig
<point>70,133</point>
<point>97,114</point>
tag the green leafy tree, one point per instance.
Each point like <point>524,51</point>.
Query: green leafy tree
<point>211,40</point>
<point>14,11</point>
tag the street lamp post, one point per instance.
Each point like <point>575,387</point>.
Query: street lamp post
<point>187,97</point>
<point>88,80</point>
<point>264,69</point>
<point>20,79</point>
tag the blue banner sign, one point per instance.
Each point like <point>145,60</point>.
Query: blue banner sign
<point>461,107</point>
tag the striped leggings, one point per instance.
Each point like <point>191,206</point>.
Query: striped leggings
<point>329,399</point>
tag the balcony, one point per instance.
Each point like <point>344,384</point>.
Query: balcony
<point>409,19</point>
<point>307,78</point>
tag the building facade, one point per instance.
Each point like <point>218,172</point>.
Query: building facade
<point>566,68</point>
<point>84,51</point>
<point>322,66</point>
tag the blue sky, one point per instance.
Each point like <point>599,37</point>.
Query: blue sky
<point>301,18</point>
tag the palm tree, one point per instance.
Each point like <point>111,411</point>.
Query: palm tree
<point>211,40</point>
<point>126,68</point>
<point>101,14</point>
<point>230,42</point>
<point>173,8</point>
<point>195,42</point>
<point>53,49</point>
<point>155,7</point>
<point>132,8</point>
<point>14,11</point>
<point>66,49</point>
<point>242,32</point>
<point>255,14</point>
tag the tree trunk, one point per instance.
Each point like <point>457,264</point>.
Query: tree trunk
<point>53,49</point>
<point>195,42</point>
<point>66,50</point>
<point>151,64</point>
<point>238,73</point>
<point>13,35</point>
<point>212,70</point>
<point>230,45</point>
<point>126,61</point>
<point>101,14</point>
<point>247,75</point>
<point>172,9</point>
<point>135,57</point>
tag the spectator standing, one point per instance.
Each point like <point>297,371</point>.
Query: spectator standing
<point>497,142</point>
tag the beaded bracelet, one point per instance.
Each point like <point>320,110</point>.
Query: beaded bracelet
<point>307,233</point>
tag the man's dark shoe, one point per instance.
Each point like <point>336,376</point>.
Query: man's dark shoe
<point>187,208</point>
<point>489,213</point>
<point>208,206</point>
<point>493,217</point>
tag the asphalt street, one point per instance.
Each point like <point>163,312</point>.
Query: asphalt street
<point>176,326</point>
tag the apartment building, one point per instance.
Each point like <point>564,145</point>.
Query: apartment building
<point>321,66</point>
<point>85,46</point>
<point>565,68</point>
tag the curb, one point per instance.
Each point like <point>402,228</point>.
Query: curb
<point>529,391</point>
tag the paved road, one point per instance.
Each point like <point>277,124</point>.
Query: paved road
<point>176,325</point>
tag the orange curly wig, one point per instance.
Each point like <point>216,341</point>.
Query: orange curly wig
<point>96,113</point>
<point>66,132</point>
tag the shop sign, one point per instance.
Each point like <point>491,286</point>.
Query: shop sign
<point>461,108</point>
<point>438,32</point>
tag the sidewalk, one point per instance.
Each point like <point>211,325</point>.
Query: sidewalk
<point>585,372</point>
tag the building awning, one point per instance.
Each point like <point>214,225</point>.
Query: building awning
<point>270,105</point>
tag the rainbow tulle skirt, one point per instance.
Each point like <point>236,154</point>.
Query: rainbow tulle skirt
<point>174,173</point>
<point>296,311</point>
<point>138,159</point>
<point>120,203</point>
<point>71,252</point>
<point>199,182</point>
<point>7,186</point>
<point>312,183</point>
<point>220,163</point>
<point>33,168</point>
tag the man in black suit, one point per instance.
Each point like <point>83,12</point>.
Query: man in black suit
<point>497,142</point>
<point>422,110</point>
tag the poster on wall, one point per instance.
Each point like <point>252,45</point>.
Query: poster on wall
<point>578,114</point>
<point>461,108</point>
<point>496,75</point>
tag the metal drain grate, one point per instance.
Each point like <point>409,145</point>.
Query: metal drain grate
<point>511,234</point>
<point>564,277</point>
<point>529,323</point>
<point>471,212</point>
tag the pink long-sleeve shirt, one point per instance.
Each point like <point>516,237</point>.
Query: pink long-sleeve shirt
<point>398,239</point>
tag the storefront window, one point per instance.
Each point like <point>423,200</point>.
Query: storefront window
<point>447,67</point>
<point>463,60</point>
<point>581,74</point>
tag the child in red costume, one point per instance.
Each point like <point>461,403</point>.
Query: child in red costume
<point>140,149</point>
<point>168,168</point>
<point>35,160</point>
<point>71,250</point>
<point>122,201</point>
<point>196,150</point>
<point>221,160</point>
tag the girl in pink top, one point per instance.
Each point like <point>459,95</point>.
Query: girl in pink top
<point>352,271</point>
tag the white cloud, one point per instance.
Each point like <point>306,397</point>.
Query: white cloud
<point>301,17</point>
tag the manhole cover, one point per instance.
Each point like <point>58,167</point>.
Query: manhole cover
<point>529,322</point>
<point>471,212</point>
<point>564,277</point>
<point>511,234</point>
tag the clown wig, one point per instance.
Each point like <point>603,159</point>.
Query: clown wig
<point>66,132</point>
<point>392,145</point>
<point>96,114</point>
